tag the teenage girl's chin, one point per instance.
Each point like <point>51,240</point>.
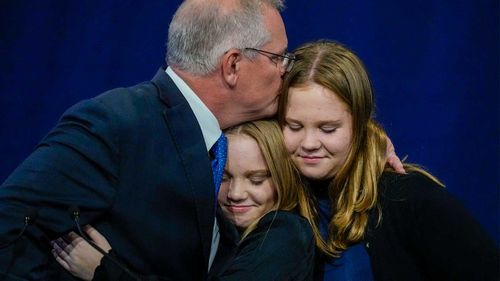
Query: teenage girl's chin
<point>239,222</point>
<point>314,173</point>
<point>235,219</point>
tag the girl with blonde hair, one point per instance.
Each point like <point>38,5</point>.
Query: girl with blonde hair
<point>260,195</point>
<point>371,223</point>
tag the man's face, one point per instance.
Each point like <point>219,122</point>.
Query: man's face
<point>261,77</point>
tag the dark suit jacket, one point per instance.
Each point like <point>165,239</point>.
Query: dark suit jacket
<point>135,163</point>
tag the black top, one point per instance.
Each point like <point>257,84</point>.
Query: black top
<point>426,234</point>
<point>281,247</point>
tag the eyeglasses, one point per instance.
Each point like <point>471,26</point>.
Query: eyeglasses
<point>284,62</point>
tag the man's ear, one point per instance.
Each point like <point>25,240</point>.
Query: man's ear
<point>231,63</point>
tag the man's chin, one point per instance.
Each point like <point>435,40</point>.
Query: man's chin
<point>270,111</point>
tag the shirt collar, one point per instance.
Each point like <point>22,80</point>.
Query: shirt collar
<point>208,123</point>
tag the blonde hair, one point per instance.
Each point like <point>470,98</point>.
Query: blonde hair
<point>353,191</point>
<point>291,194</point>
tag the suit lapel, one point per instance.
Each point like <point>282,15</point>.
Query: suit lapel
<point>191,148</point>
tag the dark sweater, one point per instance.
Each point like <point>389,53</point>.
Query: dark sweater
<point>280,248</point>
<point>426,234</point>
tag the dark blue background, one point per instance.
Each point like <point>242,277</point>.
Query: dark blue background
<point>434,65</point>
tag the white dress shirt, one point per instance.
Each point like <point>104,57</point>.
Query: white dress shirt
<point>211,132</point>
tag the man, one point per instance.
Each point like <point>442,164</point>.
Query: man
<point>134,161</point>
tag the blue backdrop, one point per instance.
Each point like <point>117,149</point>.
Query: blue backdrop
<point>434,65</point>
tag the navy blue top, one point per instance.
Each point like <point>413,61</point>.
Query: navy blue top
<point>424,234</point>
<point>354,263</point>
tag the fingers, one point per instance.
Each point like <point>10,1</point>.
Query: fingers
<point>73,238</point>
<point>93,233</point>
<point>393,159</point>
<point>63,246</point>
<point>59,248</point>
<point>97,238</point>
<point>60,260</point>
<point>390,148</point>
<point>396,164</point>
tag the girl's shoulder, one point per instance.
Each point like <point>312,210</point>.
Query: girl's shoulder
<point>411,186</point>
<point>285,221</point>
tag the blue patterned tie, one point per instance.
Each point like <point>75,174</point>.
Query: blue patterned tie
<point>219,152</point>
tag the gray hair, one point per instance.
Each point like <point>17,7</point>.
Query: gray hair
<point>202,31</point>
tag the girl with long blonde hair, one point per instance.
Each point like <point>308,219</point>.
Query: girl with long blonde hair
<point>371,223</point>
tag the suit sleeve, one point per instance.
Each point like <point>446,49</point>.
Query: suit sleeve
<point>280,248</point>
<point>449,242</point>
<point>75,164</point>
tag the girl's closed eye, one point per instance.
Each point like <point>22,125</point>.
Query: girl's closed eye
<point>328,129</point>
<point>294,126</point>
<point>259,179</point>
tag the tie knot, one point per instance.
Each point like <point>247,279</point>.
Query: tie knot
<point>220,146</point>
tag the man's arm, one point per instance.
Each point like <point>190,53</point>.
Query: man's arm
<point>75,165</point>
